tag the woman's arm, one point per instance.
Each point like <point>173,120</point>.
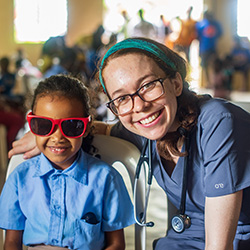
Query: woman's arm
<point>115,240</point>
<point>221,219</point>
<point>13,240</point>
<point>102,128</point>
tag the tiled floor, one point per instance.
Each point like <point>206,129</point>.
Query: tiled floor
<point>157,204</point>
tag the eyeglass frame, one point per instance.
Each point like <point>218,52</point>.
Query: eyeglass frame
<point>58,122</point>
<point>161,80</point>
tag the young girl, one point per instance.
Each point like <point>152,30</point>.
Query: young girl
<point>63,197</point>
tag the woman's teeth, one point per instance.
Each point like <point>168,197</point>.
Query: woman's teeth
<point>150,119</point>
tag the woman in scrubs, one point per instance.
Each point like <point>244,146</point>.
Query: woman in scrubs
<point>146,85</point>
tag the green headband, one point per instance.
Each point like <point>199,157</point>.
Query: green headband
<point>137,44</point>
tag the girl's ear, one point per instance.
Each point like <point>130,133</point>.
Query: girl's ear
<point>178,84</point>
<point>88,129</point>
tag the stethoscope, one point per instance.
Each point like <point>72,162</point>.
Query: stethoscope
<point>180,221</point>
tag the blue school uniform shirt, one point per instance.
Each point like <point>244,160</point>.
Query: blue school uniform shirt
<point>50,204</point>
<point>219,164</point>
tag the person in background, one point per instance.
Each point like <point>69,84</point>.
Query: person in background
<point>7,79</point>
<point>200,145</point>
<point>144,28</point>
<point>209,31</point>
<point>187,34</point>
<point>221,78</point>
<point>64,64</point>
<point>240,59</point>
<point>12,116</point>
<point>64,198</point>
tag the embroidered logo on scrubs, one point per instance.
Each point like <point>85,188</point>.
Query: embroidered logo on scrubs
<point>219,185</point>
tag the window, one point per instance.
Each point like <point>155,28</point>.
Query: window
<point>243,18</point>
<point>37,20</point>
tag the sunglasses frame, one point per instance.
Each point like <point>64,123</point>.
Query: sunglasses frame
<point>58,122</point>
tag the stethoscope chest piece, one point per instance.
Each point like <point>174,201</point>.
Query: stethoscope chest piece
<point>180,222</point>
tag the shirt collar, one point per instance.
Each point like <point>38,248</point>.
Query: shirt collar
<point>78,170</point>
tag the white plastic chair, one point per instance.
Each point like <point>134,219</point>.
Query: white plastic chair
<point>113,150</point>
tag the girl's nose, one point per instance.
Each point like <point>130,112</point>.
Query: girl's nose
<point>57,134</point>
<point>139,104</point>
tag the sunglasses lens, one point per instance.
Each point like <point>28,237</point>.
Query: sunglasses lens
<point>40,126</point>
<point>73,128</point>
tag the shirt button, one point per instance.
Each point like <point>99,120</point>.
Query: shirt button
<point>57,207</point>
<point>54,241</point>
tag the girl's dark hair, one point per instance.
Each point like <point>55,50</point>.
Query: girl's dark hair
<point>69,87</point>
<point>63,85</point>
<point>188,102</point>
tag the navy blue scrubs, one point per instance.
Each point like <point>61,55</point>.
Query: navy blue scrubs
<point>219,164</point>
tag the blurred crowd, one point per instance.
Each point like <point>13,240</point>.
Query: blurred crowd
<point>81,60</point>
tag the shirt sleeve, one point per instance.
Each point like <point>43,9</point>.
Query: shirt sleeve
<point>11,216</point>
<point>226,151</point>
<point>118,209</point>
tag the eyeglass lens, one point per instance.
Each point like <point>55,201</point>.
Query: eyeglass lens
<point>40,126</point>
<point>70,128</point>
<point>148,92</point>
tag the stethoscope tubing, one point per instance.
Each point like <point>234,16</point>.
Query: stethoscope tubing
<point>143,159</point>
<point>148,160</point>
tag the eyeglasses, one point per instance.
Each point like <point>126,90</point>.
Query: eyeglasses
<point>148,93</point>
<point>70,127</point>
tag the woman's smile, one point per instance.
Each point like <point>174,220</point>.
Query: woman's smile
<point>149,120</point>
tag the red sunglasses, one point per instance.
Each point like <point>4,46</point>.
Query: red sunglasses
<point>70,127</point>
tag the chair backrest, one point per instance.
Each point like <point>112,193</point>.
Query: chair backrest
<point>244,105</point>
<point>112,150</point>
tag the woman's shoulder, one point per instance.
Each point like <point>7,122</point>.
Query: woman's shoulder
<point>214,108</point>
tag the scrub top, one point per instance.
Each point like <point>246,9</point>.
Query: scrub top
<point>70,208</point>
<point>218,164</point>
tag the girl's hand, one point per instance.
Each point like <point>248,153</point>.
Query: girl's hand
<point>26,145</point>
<point>115,240</point>
<point>13,240</point>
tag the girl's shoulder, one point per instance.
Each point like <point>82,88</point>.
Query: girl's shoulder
<point>25,168</point>
<point>96,165</point>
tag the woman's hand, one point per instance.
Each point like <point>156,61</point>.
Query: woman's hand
<point>102,128</point>
<point>221,219</point>
<point>26,145</point>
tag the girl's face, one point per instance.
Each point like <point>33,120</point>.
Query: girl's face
<point>60,150</point>
<point>124,75</point>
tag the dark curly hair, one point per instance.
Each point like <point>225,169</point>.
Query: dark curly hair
<point>63,85</point>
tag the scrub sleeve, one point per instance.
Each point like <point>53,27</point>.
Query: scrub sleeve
<point>219,164</point>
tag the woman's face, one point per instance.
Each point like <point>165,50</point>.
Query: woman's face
<point>124,75</point>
